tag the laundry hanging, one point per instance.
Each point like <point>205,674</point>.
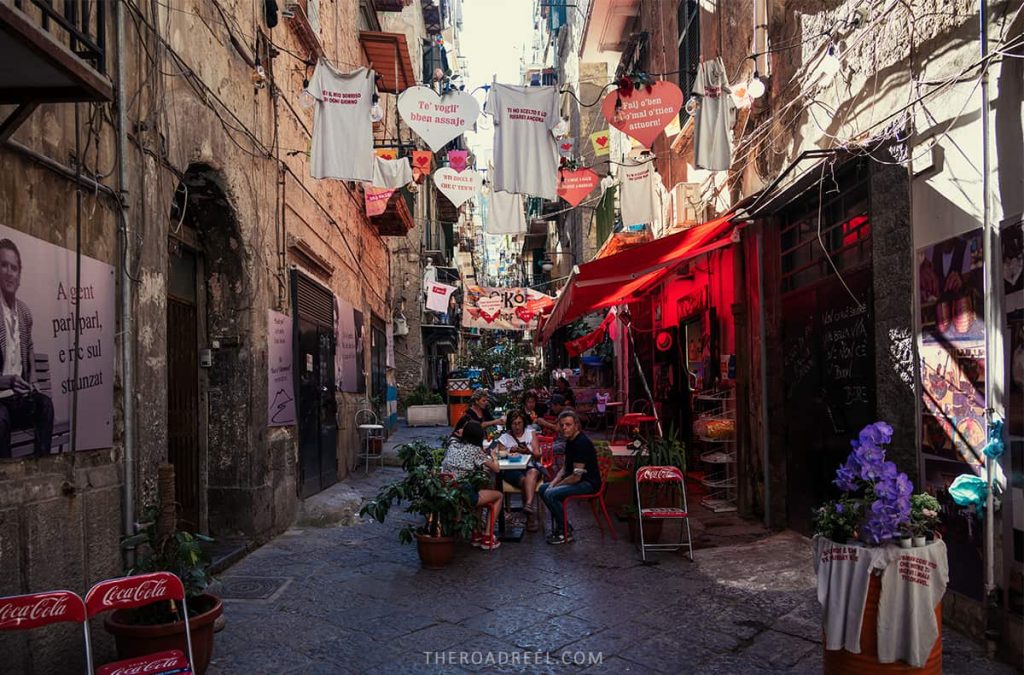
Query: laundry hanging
<point>391,173</point>
<point>714,118</point>
<point>342,145</point>
<point>525,154</point>
<point>437,296</point>
<point>505,213</point>
<point>640,198</point>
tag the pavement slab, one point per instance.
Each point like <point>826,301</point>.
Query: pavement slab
<point>349,598</point>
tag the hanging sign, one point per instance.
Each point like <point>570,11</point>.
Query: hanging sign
<point>565,147</point>
<point>602,142</point>
<point>573,186</point>
<point>458,187</point>
<point>280,377</point>
<point>377,200</point>
<point>437,119</point>
<point>503,308</point>
<point>386,153</point>
<point>421,160</point>
<point>457,159</point>
<point>643,115</point>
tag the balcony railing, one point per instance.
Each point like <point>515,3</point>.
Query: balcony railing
<point>73,23</point>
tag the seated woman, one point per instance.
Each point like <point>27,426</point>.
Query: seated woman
<point>520,439</point>
<point>562,387</point>
<point>533,409</point>
<point>464,456</point>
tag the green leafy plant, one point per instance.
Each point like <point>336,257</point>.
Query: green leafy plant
<point>422,396</point>
<point>446,508</point>
<point>160,547</point>
<point>924,513</point>
<point>839,519</point>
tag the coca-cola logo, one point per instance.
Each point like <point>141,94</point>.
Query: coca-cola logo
<point>151,589</point>
<point>658,473</point>
<point>47,607</point>
<point>155,666</point>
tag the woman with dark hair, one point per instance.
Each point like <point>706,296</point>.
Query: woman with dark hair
<point>562,387</point>
<point>532,407</point>
<point>464,456</point>
<point>520,439</point>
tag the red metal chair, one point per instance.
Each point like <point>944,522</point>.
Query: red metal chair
<point>137,591</point>
<point>604,465</point>
<point>24,612</point>
<point>663,475</point>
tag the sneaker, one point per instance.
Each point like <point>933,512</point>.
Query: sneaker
<point>530,508</point>
<point>476,540</point>
<point>489,543</point>
<point>557,538</point>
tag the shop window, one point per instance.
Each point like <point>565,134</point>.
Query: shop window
<point>845,235</point>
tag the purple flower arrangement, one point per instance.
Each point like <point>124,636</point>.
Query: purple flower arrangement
<point>876,502</point>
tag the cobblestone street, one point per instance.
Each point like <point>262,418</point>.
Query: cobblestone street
<point>351,599</point>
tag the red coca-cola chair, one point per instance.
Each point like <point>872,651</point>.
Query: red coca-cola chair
<point>138,591</point>
<point>24,612</point>
<point>671,478</point>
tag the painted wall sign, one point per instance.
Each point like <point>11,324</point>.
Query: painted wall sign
<point>435,119</point>
<point>45,296</point>
<point>574,186</point>
<point>280,377</point>
<point>641,115</point>
<point>503,308</point>
<point>457,186</point>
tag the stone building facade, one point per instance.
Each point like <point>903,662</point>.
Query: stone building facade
<point>205,209</point>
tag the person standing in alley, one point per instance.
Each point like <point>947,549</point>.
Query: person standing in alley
<point>22,405</point>
<point>580,474</point>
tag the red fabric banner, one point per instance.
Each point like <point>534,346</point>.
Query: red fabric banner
<point>591,339</point>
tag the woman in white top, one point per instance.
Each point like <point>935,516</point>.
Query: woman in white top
<point>520,439</point>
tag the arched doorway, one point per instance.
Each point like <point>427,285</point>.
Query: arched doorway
<point>208,301</point>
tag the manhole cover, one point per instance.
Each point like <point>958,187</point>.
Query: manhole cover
<point>253,588</point>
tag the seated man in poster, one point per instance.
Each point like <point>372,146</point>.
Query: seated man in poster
<point>22,405</point>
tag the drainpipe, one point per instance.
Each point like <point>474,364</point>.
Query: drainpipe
<point>762,327</point>
<point>125,305</point>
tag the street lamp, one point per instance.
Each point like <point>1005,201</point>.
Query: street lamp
<point>546,263</point>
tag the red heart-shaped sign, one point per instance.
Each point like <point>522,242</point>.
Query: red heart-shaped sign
<point>573,186</point>
<point>602,141</point>
<point>422,161</point>
<point>566,146</point>
<point>644,115</point>
<point>524,314</point>
<point>489,318</point>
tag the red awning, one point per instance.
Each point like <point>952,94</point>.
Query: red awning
<point>621,278</point>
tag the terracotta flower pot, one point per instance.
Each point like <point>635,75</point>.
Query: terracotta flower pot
<point>139,640</point>
<point>435,552</point>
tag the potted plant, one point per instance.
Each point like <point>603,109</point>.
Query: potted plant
<point>160,547</point>
<point>447,511</point>
<point>876,510</point>
<point>424,408</point>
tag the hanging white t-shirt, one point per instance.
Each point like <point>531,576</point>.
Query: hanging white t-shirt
<point>391,173</point>
<point>342,131</point>
<point>525,153</point>
<point>843,576</point>
<point>505,213</point>
<point>437,296</point>
<point>714,119</point>
<point>639,195</point>
<point>912,585</point>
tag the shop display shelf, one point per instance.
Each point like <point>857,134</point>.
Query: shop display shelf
<point>718,505</point>
<point>718,457</point>
<point>708,439</point>
<point>726,482</point>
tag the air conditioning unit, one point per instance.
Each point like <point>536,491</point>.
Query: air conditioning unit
<point>687,206</point>
<point>401,326</point>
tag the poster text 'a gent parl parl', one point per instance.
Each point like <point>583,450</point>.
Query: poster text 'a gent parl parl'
<point>38,350</point>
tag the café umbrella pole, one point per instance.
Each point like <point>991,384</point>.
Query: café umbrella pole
<point>643,377</point>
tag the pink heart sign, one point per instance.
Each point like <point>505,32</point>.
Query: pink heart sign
<point>458,186</point>
<point>641,115</point>
<point>573,186</point>
<point>437,119</point>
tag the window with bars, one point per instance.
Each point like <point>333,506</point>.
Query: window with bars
<point>845,234</point>
<point>688,46</point>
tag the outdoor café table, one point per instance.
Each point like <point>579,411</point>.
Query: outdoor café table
<point>510,463</point>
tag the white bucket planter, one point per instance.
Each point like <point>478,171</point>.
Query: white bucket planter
<point>427,415</point>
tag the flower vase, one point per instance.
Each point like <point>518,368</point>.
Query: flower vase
<point>905,542</point>
<point>919,540</point>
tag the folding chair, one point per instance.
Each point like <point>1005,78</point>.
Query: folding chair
<point>137,591</point>
<point>663,475</point>
<point>604,465</point>
<point>23,612</point>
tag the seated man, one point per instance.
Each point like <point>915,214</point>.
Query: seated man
<point>580,474</point>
